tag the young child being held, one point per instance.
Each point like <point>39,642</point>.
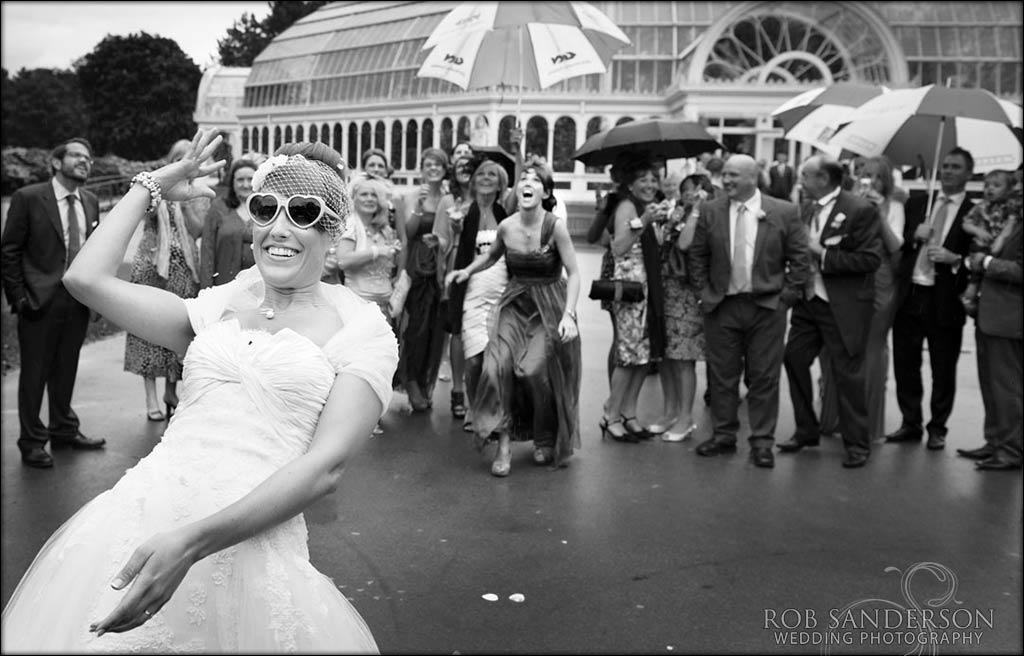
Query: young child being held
<point>990,222</point>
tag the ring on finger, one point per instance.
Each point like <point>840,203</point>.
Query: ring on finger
<point>148,613</point>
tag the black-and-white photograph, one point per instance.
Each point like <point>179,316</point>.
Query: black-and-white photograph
<point>512,327</point>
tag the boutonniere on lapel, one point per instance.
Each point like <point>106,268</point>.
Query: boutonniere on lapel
<point>838,220</point>
<point>761,215</point>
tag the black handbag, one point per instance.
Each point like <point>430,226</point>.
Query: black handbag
<point>623,291</point>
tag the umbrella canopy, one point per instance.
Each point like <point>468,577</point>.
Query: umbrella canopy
<point>813,116</point>
<point>658,138</point>
<point>529,45</point>
<point>930,121</point>
<point>502,157</point>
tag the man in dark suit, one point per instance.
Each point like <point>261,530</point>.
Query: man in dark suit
<point>929,282</point>
<point>46,225</point>
<point>999,338</point>
<point>836,309</point>
<point>781,177</point>
<point>748,263</point>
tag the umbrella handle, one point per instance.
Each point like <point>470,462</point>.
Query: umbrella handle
<point>935,168</point>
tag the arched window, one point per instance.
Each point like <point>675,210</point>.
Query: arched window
<point>264,141</point>
<point>624,119</point>
<point>446,135</point>
<point>287,134</point>
<point>299,134</point>
<point>353,144</point>
<point>277,137</point>
<point>396,145</point>
<point>325,134</point>
<point>412,151</point>
<point>537,136</point>
<point>245,140</point>
<point>366,140</point>
<point>336,141</point>
<point>464,127</point>
<point>313,134</point>
<point>594,126</point>
<point>565,145</point>
<point>505,132</point>
<point>379,135</point>
<point>427,136</point>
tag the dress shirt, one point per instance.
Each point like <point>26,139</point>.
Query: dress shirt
<point>926,276</point>
<point>753,205</point>
<point>62,206</point>
<point>824,209</point>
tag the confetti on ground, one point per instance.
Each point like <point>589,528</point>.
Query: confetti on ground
<point>670,648</point>
<point>517,597</point>
<point>640,606</point>
<point>565,542</point>
<point>359,589</point>
<point>443,540</point>
<point>490,596</point>
<point>354,533</point>
<point>370,582</point>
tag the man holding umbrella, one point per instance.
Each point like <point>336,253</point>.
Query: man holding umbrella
<point>930,281</point>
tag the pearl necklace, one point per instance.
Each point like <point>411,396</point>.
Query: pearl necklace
<point>270,313</point>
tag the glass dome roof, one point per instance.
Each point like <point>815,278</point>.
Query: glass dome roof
<point>348,53</point>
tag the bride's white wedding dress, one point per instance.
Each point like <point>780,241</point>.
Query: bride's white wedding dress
<point>250,401</point>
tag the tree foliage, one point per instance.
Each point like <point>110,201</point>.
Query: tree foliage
<point>42,107</point>
<point>140,91</point>
<point>248,36</point>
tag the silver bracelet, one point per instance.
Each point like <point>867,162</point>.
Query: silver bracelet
<point>147,180</point>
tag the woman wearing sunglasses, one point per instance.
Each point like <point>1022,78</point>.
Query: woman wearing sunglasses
<point>201,546</point>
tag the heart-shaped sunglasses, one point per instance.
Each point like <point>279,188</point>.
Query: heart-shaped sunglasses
<point>303,211</point>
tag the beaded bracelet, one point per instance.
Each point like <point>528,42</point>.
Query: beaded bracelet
<point>149,182</point>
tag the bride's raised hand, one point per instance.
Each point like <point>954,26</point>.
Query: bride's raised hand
<point>155,570</point>
<point>186,179</point>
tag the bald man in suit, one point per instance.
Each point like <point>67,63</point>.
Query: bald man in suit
<point>748,263</point>
<point>46,225</point>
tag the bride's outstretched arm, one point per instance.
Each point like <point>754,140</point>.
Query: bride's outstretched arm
<point>153,314</point>
<point>159,565</point>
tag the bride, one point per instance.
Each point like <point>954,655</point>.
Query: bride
<point>202,546</point>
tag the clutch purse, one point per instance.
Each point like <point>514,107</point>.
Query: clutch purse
<point>398,295</point>
<point>622,291</point>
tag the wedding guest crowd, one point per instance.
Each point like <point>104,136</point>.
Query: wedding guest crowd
<point>718,266</point>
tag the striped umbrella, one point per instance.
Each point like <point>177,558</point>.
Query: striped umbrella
<point>529,45</point>
<point>930,121</point>
<point>813,116</point>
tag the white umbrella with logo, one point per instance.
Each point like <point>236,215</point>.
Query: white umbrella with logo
<point>527,45</point>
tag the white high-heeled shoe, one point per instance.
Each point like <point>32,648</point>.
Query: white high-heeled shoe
<point>679,437</point>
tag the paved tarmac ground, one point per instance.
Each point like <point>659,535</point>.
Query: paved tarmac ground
<point>633,548</point>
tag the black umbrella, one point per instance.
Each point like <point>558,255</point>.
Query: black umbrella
<point>657,138</point>
<point>499,155</point>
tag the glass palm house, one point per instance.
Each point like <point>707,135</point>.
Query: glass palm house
<point>346,75</point>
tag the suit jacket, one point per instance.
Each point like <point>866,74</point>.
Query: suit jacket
<point>780,267</point>
<point>853,252</point>
<point>32,250</point>
<point>950,280</point>
<point>780,184</point>
<point>1001,306</point>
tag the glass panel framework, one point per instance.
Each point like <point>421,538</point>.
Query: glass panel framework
<point>349,55</point>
